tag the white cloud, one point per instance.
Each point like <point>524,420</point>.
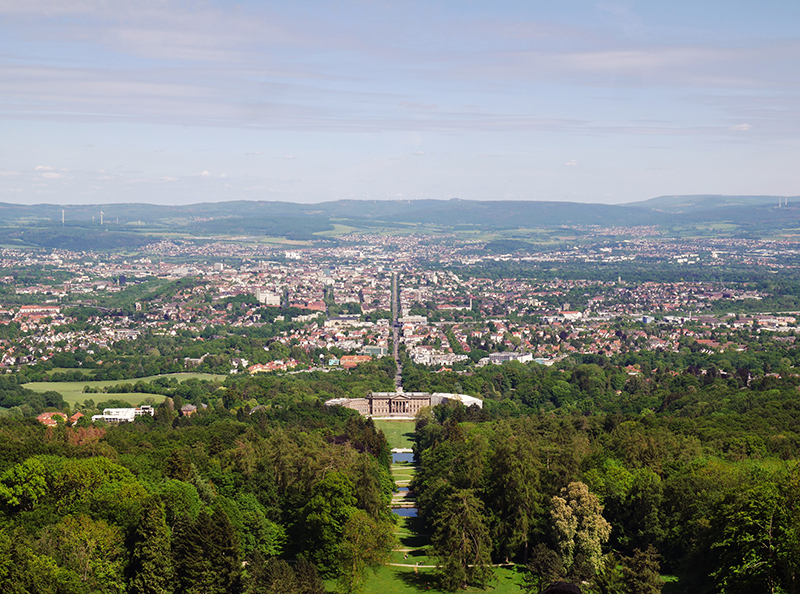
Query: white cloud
<point>741,127</point>
<point>52,175</point>
<point>9,173</point>
<point>571,163</point>
<point>204,174</point>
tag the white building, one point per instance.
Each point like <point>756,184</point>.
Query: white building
<point>500,358</point>
<point>416,320</point>
<point>124,415</point>
<point>268,298</point>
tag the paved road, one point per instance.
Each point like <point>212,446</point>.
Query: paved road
<point>410,565</point>
<point>398,379</point>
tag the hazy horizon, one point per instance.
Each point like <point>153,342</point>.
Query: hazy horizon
<point>174,103</point>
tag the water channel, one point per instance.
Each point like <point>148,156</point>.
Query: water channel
<point>404,458</point>
<point>405,512</point>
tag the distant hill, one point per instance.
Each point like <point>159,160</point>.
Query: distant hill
<point>515,214</point>
<point>754,215</point>
<point>129,225</point>
<point>502,214</point>
<point>704,202</point>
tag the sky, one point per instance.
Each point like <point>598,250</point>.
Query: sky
<point>184,101</point>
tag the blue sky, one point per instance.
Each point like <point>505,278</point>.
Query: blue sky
<point>176,102</point>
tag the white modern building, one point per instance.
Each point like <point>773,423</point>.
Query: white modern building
<point>124,415</point>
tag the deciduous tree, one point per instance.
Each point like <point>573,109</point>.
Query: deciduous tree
<point>323,519</point>
<point>92,549</point>
<point>579,529</point>
<point>366,543</point>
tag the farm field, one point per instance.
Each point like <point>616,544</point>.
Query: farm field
<point>73,391</point>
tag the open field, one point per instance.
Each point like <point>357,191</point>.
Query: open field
<point>132,398</point>
<point>338,230</point>
<point>391,579</point>
<point>86,372</point>
<point>268,239</point>
<point>73,391</point>
<point>398,433</point>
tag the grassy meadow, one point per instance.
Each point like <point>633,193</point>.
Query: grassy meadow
<point>412,570</point>
<point>73,391</point>
<point>391,579</point>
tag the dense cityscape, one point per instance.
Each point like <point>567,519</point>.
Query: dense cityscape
<point>340,299</point>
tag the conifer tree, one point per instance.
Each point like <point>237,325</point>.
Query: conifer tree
<point>543,568</point>
<point>207,556</point>
<point>461,541</point>
<point>514,493</point>
<point>307,577</point>
<point>150,568</point>
<point>642,572</point>
<point>270,576</point>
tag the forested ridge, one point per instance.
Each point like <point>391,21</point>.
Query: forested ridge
<point>612,475</point>
<point>610,471</point>
<point>202,504</point>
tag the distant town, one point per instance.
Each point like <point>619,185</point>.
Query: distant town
<point>338,300</point>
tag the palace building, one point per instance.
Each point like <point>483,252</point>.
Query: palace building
<point>400,404</point>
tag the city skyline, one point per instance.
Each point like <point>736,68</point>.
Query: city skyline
<point>184,102</point>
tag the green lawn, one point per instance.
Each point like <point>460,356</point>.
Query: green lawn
<point>73,391</point>
<point>402,580</point>
<point>391,579</point>
<point>403,472</point>
<point>398,433</point>
<point>136,399</point>
<point>88,372</point>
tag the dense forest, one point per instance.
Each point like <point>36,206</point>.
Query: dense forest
<point>588,471</point>
<point>589,499</point>
<point>207,503</point>
<point>612,472</point>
